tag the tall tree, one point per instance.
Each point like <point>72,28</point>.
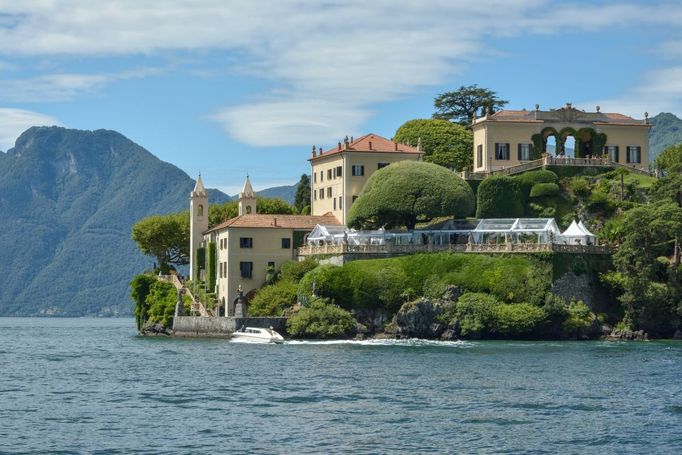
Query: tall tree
<point>165,237</point>
<point>461,105</point>
<point>302,197</point>
<point>410,191</point>
<point>444,143</point>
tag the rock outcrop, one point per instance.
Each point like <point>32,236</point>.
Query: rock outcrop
<point>422,318</point>
<point>627,335</point>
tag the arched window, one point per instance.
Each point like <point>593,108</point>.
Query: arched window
<point>200,210</point>
<point>248,209</point>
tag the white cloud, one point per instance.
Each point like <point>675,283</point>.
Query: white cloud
<point>659,91</point>
<point>62,87</point>
<point>330,60</point>
<point>13,122</point>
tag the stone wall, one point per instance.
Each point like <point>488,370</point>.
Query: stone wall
<point>199,326</point>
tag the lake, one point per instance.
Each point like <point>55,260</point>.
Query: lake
<point>93,386</point>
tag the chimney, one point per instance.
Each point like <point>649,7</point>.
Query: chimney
<point>314,154</point>
<point>274,221</point>
<point>339,145</point>
<point>370,145</point>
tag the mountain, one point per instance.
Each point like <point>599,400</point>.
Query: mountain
<point>286,192</point>
<point>666,130</point>
<point>68,199</point>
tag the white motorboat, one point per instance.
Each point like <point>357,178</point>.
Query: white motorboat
<point>257,335</point>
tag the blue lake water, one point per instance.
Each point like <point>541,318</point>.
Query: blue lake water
<point>92,386</point>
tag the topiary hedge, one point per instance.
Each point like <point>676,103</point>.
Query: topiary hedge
<point>544,190</point>
<point>499,197</point>
<point>529,179</point>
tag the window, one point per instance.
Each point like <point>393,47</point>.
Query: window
<point>329,174</point>
<point>612,152</point>
<point>321,176</point>
<point>339,173</point>
<point>358,170</point>
<point>479,155</point>
<point>314,195</point>
<point>524,152</point>
<point>271,266</point>
<point>334,203</point>
<point>286,242</point>
<point>321,193</point>
<point>381,165</point>
<point>501,151</point>
<point>634,154</point>
<point>200,211</point>
<point>315,177</point>
<point>340,202</point>
<point>246,269</point>
<point>245,242</point>
<point>329,192</point>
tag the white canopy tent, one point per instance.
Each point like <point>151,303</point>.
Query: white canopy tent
<point>577,234</point>
<point>591,238</point>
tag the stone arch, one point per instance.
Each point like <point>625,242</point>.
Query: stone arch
<point>200,210</point>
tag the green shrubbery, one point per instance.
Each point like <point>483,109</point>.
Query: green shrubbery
<point>408,192</point>
<point>274,299</point>
<point>528,180</point>
<point>499,197</point>
<point>544,190</point>
<point>154,301</point>
<point>321,319</point>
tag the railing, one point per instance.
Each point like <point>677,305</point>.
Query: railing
<point>549,160</point>
<point>390,249</point>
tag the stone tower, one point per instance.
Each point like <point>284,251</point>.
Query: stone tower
<point>198,212</point>
<point>247,199</point>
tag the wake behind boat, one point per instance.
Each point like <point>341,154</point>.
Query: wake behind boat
<point>257,335</point>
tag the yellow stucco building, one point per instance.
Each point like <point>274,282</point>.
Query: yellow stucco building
<point>509,137</point>
<point>339,174</point>
<point>247,245</point>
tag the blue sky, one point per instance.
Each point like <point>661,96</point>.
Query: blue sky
<point>229,87</point>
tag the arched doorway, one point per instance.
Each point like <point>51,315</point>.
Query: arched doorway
<point>550,145</point>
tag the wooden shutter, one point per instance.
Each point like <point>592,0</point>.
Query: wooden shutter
<point>627,154</point>
<point>508,152</point>
<point>519,152</point>
<point>639,154</point>
<point>497,151</point>
<point>617,156</point>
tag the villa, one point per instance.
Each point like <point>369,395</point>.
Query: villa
<point>509,138</point>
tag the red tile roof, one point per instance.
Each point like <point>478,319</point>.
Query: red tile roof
<point>277,221</point>
<point>372,143</point>
<point>558,115</point>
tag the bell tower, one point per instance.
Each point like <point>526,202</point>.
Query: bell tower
<point>247,199</point>
<point>198,213</point>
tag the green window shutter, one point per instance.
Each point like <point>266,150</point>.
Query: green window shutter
<point>519,152</point>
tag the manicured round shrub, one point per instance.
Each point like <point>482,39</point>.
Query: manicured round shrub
<point>499,197</point>
<point>544,190</point>
<point>529,179</point>
<point>410,191</point>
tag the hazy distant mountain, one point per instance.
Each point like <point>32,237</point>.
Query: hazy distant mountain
<point>666,130</point>
<point>68,199</point>
<point>286,192</point>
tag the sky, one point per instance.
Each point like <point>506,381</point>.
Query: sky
<point>229,88</point>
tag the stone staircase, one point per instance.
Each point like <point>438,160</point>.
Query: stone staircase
<point>196,306</point>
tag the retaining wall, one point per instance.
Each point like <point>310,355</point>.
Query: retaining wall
<point>200,326</point>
